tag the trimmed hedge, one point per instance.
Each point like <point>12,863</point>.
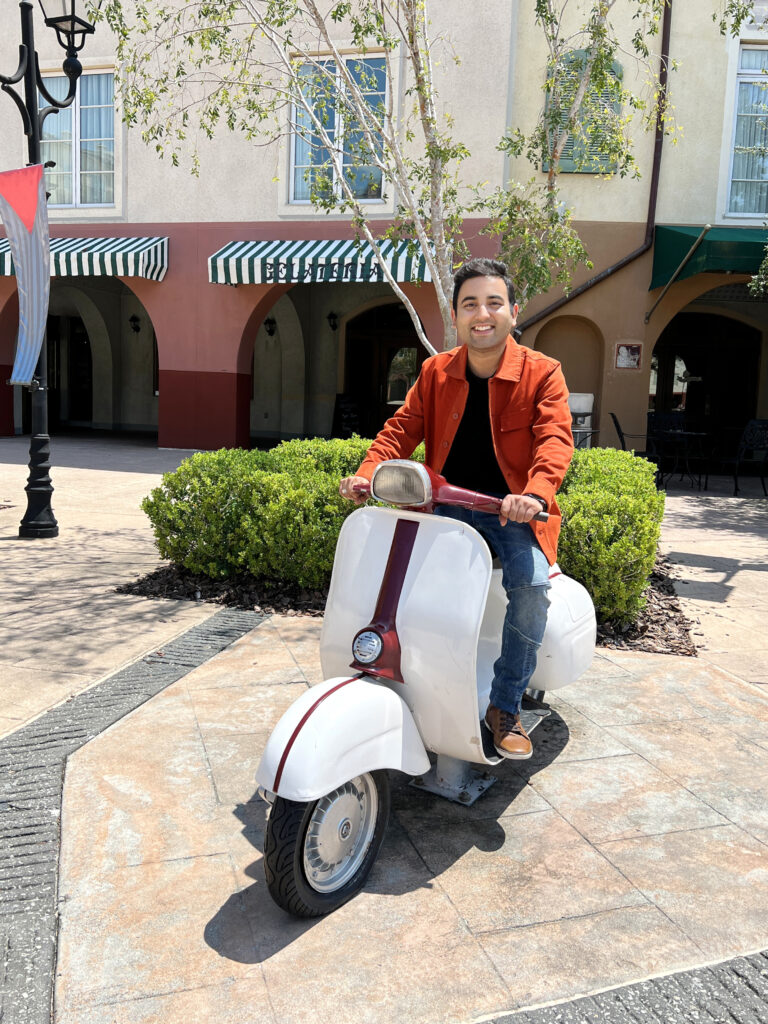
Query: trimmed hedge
<point>277,514</point>
<point>612,516</point>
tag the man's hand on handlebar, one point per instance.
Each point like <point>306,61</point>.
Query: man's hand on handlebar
<point>355,488</point>
<point>520,508</point>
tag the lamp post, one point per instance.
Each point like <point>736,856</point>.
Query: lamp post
<point>71,30</point>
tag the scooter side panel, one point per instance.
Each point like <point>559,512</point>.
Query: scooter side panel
<point>568,644</point>
<point>335,731</point>
<point>438,620</point>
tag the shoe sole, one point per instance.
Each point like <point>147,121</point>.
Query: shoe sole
<point>510,756</point>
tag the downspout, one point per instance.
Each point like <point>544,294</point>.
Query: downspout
<point>654,190</point>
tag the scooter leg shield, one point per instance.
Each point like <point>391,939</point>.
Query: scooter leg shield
<point>334,732</point>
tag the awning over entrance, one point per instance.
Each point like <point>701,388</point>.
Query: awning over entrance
<point>738,250</point>
<point>92,257</point>
<point>302,262</point>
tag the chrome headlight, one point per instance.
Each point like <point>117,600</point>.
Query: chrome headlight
<point>367,647</point>
<point>401,482</point>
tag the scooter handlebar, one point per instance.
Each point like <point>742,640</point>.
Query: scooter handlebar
<point>459,497</point>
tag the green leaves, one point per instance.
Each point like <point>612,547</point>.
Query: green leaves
<point>612,516</point>
<point>535,236</point>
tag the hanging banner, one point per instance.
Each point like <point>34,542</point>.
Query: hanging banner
<point>24,213</point>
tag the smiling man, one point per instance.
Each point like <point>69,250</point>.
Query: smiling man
<point>494,417</point>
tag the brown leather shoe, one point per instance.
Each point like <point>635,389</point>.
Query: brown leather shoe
<point>509,737</point>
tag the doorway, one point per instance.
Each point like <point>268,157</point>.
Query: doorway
<point>70,377</point>
<point>706,368</point>
<point>383,359</point>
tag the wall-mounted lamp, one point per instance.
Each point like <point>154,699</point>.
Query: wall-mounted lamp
<point>135,323</point>
<point>333,321</point>
<point>270,326</point>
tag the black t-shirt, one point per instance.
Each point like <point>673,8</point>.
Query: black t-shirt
<point>472,461</point>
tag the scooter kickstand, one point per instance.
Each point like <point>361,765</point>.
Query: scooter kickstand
<point>455,780</point>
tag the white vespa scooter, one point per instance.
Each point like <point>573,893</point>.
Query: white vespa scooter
<point>415,610</point>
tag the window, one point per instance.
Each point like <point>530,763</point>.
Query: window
<point>748,193</point>
<point>584,150</point>
<point>313,174</point>
<point>80,140</point>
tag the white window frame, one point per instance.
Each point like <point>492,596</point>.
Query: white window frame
<point>367,200</point>
<point>75,112</point>
<point>753,37</point>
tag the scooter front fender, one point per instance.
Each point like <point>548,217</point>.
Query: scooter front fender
<point>335,731</point>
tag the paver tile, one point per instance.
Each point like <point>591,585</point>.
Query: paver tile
<point>621,797</point>
<point>689,749</point>
<point>148,930</point>
<point>566,958</point>
<point>712,882</point>
<point>245,1001</point>
<point>533,867</point>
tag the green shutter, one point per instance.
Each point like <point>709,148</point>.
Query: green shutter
<point>580,156</point>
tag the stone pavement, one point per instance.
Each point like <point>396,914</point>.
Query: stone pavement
<point>633,845</point>
<point>62,627</point>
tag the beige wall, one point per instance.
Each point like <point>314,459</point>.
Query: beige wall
<point>498,81</point>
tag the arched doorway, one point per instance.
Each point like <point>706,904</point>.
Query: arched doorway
<point>383,359</point>
<point>706,366</point>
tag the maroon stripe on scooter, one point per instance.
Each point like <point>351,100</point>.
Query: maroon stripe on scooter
<point>297,730</point>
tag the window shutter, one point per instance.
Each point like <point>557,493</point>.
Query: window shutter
<point>582,156</point>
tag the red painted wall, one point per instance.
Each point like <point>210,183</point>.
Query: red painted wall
<point>204,410</point>
<point>204,331</point>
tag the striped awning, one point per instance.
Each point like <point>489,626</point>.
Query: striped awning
<point>302,262</point>
<point>99,257</point>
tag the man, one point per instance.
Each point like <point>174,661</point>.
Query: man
<point>495,418</point>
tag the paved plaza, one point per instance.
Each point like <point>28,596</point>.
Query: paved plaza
<point>633,845</point>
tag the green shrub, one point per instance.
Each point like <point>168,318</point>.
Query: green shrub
<point>277,515</point>
<point>339,457</point>
<point>612,516</point>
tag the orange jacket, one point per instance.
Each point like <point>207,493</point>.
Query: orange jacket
<point>530,424</point>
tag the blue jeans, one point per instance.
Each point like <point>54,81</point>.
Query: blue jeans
<point>525,577</point>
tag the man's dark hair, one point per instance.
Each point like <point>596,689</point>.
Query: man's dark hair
<point>481,267</point>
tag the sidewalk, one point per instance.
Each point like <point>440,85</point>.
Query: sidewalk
<point>63,628</point>
<point>634,844</point>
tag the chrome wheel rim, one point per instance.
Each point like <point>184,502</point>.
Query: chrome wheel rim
<point>339,834</point>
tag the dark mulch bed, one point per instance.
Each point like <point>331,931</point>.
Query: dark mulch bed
<point>661,628</point>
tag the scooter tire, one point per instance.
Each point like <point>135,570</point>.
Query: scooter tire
<point>286,864</point>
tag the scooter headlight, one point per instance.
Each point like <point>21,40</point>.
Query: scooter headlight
<point>367,647</point>
<point>401,482</point>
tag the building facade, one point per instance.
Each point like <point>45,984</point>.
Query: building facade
<point>205,310</point>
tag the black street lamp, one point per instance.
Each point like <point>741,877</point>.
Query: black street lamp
<point>71,30</point>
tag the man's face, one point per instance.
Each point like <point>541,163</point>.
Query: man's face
<point>483,316</point>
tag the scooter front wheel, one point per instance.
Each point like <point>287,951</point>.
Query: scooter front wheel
<point>318,855</point>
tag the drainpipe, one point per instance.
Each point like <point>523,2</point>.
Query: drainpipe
<point>654,190</point>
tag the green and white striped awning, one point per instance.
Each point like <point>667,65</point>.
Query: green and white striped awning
<point>303,262</point>
<point>99,257</point>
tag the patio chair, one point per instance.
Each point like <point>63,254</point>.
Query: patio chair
<point>752,451</point>
<point>648,452</point>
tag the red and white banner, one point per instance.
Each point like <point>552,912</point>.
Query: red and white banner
<point>24,213</point>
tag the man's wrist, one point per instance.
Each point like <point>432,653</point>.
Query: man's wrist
<point>544,504</point>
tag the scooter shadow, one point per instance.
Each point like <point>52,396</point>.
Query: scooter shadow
<point>250,928</point>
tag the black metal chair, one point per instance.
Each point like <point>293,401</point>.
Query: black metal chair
<point>648,452</point>
<point>752,451</point>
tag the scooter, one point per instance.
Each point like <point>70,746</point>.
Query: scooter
<point>415,611</point>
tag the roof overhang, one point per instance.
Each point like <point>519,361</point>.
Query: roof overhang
<point>100,257</point>
<point>305,262</point>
